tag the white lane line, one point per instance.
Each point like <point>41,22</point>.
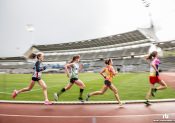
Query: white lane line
<point>89,102</point>
<point>94,120</point>
<point>118,116</point>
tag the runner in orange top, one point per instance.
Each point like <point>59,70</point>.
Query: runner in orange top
<point>108,73</point>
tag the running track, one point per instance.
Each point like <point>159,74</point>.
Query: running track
<point>102,113</point>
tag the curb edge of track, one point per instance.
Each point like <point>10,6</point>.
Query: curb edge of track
<point>87,103</point>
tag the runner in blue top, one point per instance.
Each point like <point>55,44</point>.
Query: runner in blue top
<point>38,68</point>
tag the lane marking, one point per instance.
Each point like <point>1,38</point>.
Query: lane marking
<point>94,120</point>
<point>118,116</point>
<point>89,102</point>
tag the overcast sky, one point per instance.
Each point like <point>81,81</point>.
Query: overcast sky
<point>57,21</point>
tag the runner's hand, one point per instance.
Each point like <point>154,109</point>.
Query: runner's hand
<point>44,68</point>
<point>157,73</point>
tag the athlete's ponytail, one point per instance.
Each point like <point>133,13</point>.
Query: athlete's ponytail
<point>152,55</point>
<point>35,55</point>
<point>75,58</point>
<point>108,61</point>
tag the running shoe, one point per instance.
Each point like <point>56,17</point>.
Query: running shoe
<point>48,102</point>
<point>121,104</point>
<point>147,103</point>
<point>153,91</point>
<point>14,94</point>
<point>81,99</point>
<point>87,97</point>
<point>55,97</point>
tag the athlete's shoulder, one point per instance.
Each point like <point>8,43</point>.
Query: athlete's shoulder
<point>156,61</point>
<point>37,63</point>
<point>70,64</point>
<point>110,67</point>
<point>105,68</point>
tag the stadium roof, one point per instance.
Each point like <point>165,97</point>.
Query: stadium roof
<point>124,38</point>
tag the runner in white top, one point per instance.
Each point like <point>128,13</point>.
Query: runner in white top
<point>72,69</point>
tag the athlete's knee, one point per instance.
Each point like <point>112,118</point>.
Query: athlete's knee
<point>115,91</point>
<point>28,88</point>
<point>44,87</point>
<point>83,86</point>
<point>102,92</point>
<point>67,88</point>
<point>165,86</point>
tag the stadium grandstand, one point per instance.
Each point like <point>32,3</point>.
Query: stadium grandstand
<point>12,59</point>
<point>127,50</point>
<point>15,65</point>
<point>170,45</point>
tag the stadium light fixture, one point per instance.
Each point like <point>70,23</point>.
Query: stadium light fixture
<point>146,3</point>
<point>29,28</point>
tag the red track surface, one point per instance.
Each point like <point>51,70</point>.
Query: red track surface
<point>108,113</point>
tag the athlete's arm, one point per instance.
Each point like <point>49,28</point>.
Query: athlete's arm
<point>67,70</point>
<point>81,67</point>
<point>154,66</point>
<point>113,71</point>
<point>101,72</point>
